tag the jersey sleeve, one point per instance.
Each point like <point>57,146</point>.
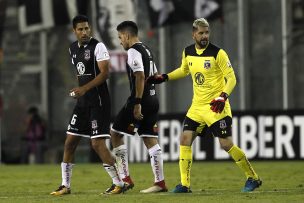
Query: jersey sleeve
<point>223,62</point>
<point>180,72</point>
<point>154,68</point>
<point>101,53</point>
<point>135,60</point>
<point>71,56</point>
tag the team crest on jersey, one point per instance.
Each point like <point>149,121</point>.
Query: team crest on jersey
<point>94,124</point>
<point>87,54</point>
<point>223,124</point>
<point>207,64</point>
<point>199,78</point>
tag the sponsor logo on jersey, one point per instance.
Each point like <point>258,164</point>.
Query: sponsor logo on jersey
<point>87,55</point>
<point>207,64</point>
<point>199,78</point>
<point>80,68</point>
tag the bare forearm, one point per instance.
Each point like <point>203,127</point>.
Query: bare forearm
<point>99,79</point>
<point>139,84</point>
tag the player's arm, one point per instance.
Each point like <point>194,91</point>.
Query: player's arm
<point>136,64</point>
<point>178,73</point>
<point>139,89</point>
<point>103,62</point>
<point>218,104</point>
<point>228,72</point>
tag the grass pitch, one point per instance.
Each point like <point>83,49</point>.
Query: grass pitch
<point>211,182</point>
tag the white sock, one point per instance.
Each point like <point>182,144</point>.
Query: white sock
<point>121,156</point>
<point>66,172</point>
<point>156,160</point>
<point>113,173</point>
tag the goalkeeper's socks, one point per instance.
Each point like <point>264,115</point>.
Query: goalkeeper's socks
<point>121,156</point>
<point>66,172</point>
<point>241,160</point>
<point>156,160</point>
<point>113,173</point>
<point>185,164</point>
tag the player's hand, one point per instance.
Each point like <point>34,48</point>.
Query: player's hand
<point>77,92</point>
<point>218,104</point>
<point>157,79</point>
<point>137,112</point>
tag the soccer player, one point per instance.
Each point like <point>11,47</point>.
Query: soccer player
<point>91,115</point>
<point>213,81</point>
<point>139,114</point>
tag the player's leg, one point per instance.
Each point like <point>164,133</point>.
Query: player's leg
<point>185,162</point>
<point>99,146</point>
<point>222,130</point>
<point>185,154</point>
<point>123,124</point>
<point>70,146</point>
<point>156,161</point>
<point>121,156</point>
<point>100,127</point>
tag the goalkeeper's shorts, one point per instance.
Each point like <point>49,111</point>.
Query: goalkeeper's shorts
<point>221,128</point>
<point>204,115</point>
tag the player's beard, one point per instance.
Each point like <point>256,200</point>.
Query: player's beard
<point>85,40</point>
<point>203,43</point>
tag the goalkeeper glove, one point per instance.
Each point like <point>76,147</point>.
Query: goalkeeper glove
<point>218,104</point>
<point>157,79</point>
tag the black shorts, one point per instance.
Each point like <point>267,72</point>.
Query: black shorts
<point>125,123</point>
<point>221,128</point>
<point>90,122</point>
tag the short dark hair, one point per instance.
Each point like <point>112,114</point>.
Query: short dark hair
<point>79,19</point>
<point>128,26</point>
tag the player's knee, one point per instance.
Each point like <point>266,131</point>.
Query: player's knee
<point>185,140</point>
<point>226,145</point>
<point>98,143</point>
<point>70,146</point>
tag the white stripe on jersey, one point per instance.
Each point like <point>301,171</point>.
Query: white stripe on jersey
<point>135,60</point>
<point>101,52</point>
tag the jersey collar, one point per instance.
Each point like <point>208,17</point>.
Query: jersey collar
<point>85,44</point>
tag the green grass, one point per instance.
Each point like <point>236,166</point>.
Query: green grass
<point>211,182</point>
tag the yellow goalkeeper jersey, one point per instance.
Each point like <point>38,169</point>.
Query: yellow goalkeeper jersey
<point>211,72</point>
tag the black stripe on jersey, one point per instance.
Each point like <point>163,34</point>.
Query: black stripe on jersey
<point>211,50</point>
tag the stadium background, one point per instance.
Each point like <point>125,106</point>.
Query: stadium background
<point>265,51</point>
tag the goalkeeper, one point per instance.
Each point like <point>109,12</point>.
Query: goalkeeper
<point>213,81</point>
